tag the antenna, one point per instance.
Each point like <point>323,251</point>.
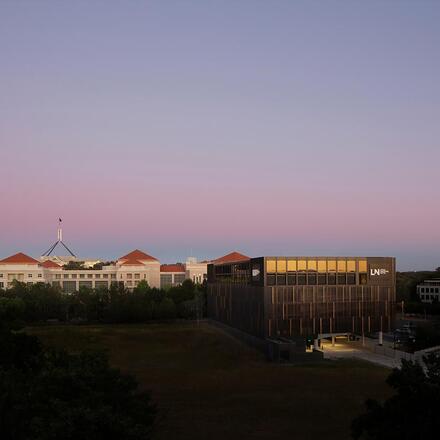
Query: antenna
<point>59,241</point>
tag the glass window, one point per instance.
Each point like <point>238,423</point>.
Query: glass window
<point>137,276</point>
<point>39,275</point>
<point>351,266</point>
<point>291,279</point>
<point>281,266</point>
<point>322,266</point>
<point>98,275</point>
<point>29,275</point>
<point>66,275</point>
<point>271,280</point>
<point>281,280</point>
<point>89,275</point>
<point>331,265</point>
<point>322,278</point>
<point>302,265</point>
<point>271,266</point>
<point>82,275</point>
<point>362,265</point>
<point>302,279</point>
<point>342,278</point>
<point>105,275</point>
<point>342,266</point>
<point>311,278</point>
<point>311,265</point>
<point>331,279</point>
<point>291,265</point>
<point>363,278</point>
<point>351,278</point>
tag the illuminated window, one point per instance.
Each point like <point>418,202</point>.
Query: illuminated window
<point>311,265</point>
<point>351,266</point>
<point>331,265</point>
<point>291,265</point>
<point>302,265</point>
<point>342,266</point>
<point>322,266</point>
<point>362,265</point>
<point>271,266</point>
<point>281,266</point>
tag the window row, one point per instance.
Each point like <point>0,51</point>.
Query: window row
<point>300,279</point>
<point>320,266</point>
<point>74,276</point>
<point>429,289</point>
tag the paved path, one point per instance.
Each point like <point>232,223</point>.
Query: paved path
<point>350,351</point>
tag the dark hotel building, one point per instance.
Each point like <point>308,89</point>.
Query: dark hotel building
<point>303,297</point>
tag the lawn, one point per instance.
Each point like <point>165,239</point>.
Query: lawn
<point>207,385</point>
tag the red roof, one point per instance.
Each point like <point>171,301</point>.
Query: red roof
<point>132,262</point>
<point>232,257</point>
<point>138,255</point>
<point>19,258</point>
<point>172,267</point>
<point>48,264</point>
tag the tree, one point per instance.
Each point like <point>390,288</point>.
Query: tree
<point>51,394</point>
<point>411,413</point>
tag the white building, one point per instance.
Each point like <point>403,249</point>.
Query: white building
<point>128,270</point>
<point>429,291</point>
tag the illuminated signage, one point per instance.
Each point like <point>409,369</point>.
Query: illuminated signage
<point>378,272</point>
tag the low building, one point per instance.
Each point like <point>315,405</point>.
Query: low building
<point>128,270</point>
<point>172,275</point>
<point>429,291</point>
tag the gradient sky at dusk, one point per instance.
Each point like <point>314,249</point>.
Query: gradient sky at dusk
<point>201,127</point>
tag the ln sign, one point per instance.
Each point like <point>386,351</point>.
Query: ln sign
<point>376,272</point>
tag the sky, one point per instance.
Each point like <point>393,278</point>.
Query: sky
<point>201,127</point>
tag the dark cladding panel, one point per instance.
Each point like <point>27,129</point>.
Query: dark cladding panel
<point>381,271</point>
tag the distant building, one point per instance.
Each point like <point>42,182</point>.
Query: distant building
<point>172,275</point>
<point>429,291</point>
<point>128,270</point>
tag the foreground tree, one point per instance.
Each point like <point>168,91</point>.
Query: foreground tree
<point>412,412</point>
<point>51,394</point>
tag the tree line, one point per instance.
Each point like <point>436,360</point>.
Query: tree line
<point>43,302</point>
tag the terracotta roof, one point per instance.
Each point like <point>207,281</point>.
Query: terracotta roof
<point>48,264</point>
<point>138,255</point>
<point>172,267</point>
<point>132,262</point>
<point>19,258</point>
<point>232,257</point>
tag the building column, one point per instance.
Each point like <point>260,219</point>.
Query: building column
<point>315,344</point>
<point>333,341</point>
<point>380,338</point>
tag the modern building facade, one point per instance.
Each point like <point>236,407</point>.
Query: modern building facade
<point>303,297</point>
<point>429,291</point>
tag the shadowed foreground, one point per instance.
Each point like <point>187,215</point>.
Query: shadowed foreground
<point>207,385</point>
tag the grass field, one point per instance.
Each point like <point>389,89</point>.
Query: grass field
<point>208,385</point>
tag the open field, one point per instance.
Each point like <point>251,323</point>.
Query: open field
<point>208,385</point>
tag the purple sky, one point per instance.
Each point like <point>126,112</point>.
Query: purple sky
<point>201,127</point>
